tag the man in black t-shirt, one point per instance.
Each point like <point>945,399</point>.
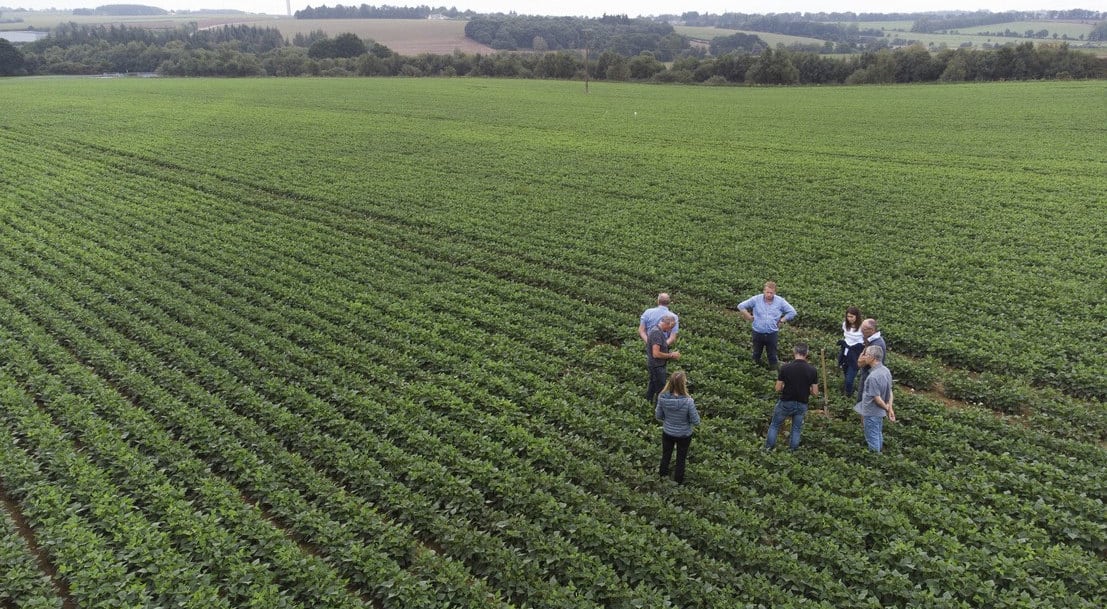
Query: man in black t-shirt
<point>657,355</point>
<point>796,381</point>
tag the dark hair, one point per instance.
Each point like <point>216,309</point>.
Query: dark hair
<point>856,315</point>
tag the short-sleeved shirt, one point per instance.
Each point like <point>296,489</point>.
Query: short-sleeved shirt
<point>798,376</point>
<point>656,337</point>
<point>651,317</point>
<point>879,382</point>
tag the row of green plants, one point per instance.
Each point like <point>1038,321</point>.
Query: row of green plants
<point>403,397</point>
<point>290,275</point>
<point>25,585</point>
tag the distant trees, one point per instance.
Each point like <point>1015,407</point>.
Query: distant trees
<point>773,68</point>
<point>748,43</point>
<point>628,37</point>
<point>11,60</point>
<point>344,45</point>
<point>939,23</point>
<point>251,51</point>
<point>122,10</point>
<point>379,12</point>
<point>1099,32</point>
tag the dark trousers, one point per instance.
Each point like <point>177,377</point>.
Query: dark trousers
<point>667,444</point>
<point>861,377</point>
<point>766,341</point>
<point>657,383</point>
<point>849,367</point>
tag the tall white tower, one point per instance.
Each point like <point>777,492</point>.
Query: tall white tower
<point>289,4</point>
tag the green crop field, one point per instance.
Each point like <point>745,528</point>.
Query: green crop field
<point>372,343</point>
<point>707,33</point>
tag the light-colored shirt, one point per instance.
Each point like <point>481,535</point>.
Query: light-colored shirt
<point>766,315</point>
<point>851,336</point>
<point>652,317</point>
<point>878,383</point>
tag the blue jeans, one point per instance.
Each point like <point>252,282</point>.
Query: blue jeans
<point>874,432</point>
<point>766,341</point>
<point>849,367</point>
<point>851,374</point>
<point>783,410</point>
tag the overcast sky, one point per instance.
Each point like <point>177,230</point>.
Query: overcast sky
<point>595,8</point>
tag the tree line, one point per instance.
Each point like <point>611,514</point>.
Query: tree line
<point>254,51</point>
<point>616,33</point>
<point>366,11</point>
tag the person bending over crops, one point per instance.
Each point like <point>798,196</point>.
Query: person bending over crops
<point>658,355</point>
<point>677,412</point>
<point>876,397</point>
<point>767,311</point>
<point>650,317</point>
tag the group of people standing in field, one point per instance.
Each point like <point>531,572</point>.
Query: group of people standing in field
<point>860,356</point>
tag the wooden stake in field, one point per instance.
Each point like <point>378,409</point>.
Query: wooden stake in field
<point>584,35</point>
<point>822,362</point>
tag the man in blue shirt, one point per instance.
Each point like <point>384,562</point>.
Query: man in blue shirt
<point>767,311</point>
<point>876,397</point>
<point>651,317</point>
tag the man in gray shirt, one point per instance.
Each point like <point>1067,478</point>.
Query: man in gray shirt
<point>658,355</point>
<point>876,397</point>
<point>872,338</point>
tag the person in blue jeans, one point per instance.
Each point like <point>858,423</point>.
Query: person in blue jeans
<point>677,412</point>
<point>767,311</point>
<point>796,381</point>
<point>853,341</point>
<point>876,398</point>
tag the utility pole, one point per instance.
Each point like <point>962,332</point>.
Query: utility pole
<point>584,33</point>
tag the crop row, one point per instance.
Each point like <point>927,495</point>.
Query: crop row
<point>840,174</point>
<point>506,260</point>
<point>445,362</point>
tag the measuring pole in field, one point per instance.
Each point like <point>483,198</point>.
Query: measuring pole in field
<point>584,35</point>
<point>822,362</point>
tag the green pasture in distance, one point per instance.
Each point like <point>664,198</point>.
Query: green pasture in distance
<point>903,26</point>
<point>350,342</point>
<point>1073,29</point>
<point>981,193</point>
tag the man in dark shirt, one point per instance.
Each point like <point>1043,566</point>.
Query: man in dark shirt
<point>796,381</point>
<point>657,355</point>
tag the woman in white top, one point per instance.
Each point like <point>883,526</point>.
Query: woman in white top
<point>851,344</point>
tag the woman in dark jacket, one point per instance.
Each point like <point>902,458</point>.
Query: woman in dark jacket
<point>677,412</point>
